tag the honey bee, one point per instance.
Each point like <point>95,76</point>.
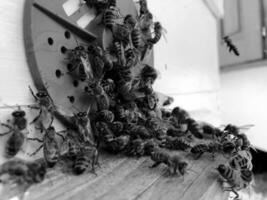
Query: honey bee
<point>176,144</point>
<point>199,149</point>
<point>136,37</point>
<point>119,143</point>
<point>73,150</point>
<point>230,45</point>
<point>105,116</point>
<point>211,131</point>
<point>131,57</point>
<point>149,73</point>
<point>235,130</point>
<point>234,178</point>
<point>151,145</point>
<point>119,50</point>
<point>130,22</point>
<point>117,127</point>
<point>79,59</point>
<point>16,140</point>
<point>136,148</point>
<point>50,146</point>
<point>110,16</point>
<point>143,7</point>
<point>88,154</point>
<point>240,163</point>
<point>46,107</point>
<point>137,131</point>
<point>174,162</point>
<point>78,123</point>
<point>104,132</point>
<point>195,128</point>
<point>158,33</point>
<point>175,132</point>
<point>24,172</point>
<point>121,33</point>
<point>243,142</point>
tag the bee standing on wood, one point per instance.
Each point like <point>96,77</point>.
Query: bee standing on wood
<point>87,155</point>
<point>174,162</point>
<point>236,179</point>
<point>24,172</point>
<point>16,140</point>
<point>230,45</point>
<point>176,144</point>
<point>50,146</point>
<point>45,105</point>
<point>79,124</point>
<point>240,163</point>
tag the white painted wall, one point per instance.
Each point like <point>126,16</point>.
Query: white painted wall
<point>244,101</point>
<point>188,61</point>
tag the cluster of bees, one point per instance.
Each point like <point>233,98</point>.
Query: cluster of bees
<point>123,116</point>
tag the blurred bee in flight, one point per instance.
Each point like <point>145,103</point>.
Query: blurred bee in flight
<point>230,45</point>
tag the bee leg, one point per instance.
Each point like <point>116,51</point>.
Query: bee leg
<point>35,139</point>
<point>37,117</point>
<point>35,97</point>
<point>155,164</point>
<point>52,119</point>
<point>5,133</point>
<point>37,150</point>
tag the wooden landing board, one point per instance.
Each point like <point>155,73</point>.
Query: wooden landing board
<point>122,178</point>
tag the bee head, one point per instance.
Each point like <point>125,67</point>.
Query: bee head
<point>149,72</point>
<point>231,128</point>
<point>81,114</point>
<point>18,113</point>
<point>221,168</point>
<point>41,94</point>
<point>79,48</point>
<point>130,20</point>
<point>157,25</point>
<point>182,167</point>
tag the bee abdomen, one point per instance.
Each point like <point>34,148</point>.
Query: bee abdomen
<point>14,144</point>
<point>200,148</point>
<point>81,164</point>
<point>136,38</point>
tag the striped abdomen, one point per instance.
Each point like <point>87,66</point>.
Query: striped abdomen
<point>51,152</point>
<point>136,37</point>
<point>240,162</point>
<point>161,157</point>
<point>81,164</point>
<point>14,144</point>
<point>200,148</point>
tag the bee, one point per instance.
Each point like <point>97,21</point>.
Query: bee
<point>50,146</point>
<point>242,142</point>
<point>176,144</point>
<point>104,132</point>
<point>16,140</point>
<point>136,148</point>
<point>235,130</point>
<point>105,116</point>
<point>234,178</point>
<point>24,172</point>
<point>117,127</point>
<point>151,145</point>
<point>199,149</point>
<point>131,57</point>
<point>174,162</point>
<point>230,45</point>
<point>79,123</point>
<point>158,30</point>
<point>180,114</point>
<point>119,143</point>
<point>130,22</point>
<point>143,7</point>
<point>110,16</point>
<point>211,131</point>
<point>137,131</point>
<point>195,128</point>
<point>240,163</point>
<point>119,50</point>
<point>121,33</point>
<point>79,59</point>
<point>89,154</point>
<point>73,150</point>
<point>175,132</point>
<point>149,73</point>
<point>46,107</point>
<point>136,37</point>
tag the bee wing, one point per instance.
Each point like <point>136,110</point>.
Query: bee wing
<point>245,127</point>
<point>87,67</point>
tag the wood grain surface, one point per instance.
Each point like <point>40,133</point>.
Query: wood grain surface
<point>121,178</point>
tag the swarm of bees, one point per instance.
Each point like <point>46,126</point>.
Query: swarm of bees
<point>124,116</point>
